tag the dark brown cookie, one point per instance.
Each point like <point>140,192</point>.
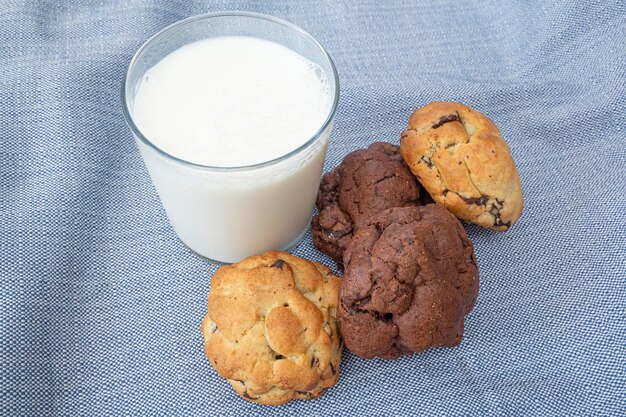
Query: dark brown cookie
<point>365,183</point>
<point>411,277</point>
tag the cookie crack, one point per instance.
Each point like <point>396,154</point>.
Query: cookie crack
<point>334,234</point>
<point>495,207</point>
<point>415,129</point>
<point>442,183</point>
<point>385,317</point>
<point>244,334</point>
<point>385,178</point>
<point>355,174</point>
<point>427,160</point>
<point>362,301</point>
<point>469,176</point>
<point>470,135</point>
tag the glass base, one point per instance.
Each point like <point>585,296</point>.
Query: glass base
<point>286,248</point>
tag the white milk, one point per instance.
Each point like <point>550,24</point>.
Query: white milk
<point>233,102</point>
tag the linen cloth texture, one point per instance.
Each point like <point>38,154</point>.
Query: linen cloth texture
<point>101,304</point>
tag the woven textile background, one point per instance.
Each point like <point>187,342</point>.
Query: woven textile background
<point>101,304</point>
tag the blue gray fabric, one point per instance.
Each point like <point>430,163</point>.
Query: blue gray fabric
<point>101,304</point>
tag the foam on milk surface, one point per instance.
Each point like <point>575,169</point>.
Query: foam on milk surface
<point>232,101</point>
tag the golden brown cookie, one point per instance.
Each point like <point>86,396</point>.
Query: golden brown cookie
<point>271,327</point>
<point>463,162</point>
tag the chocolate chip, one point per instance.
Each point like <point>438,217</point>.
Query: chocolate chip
<point>427,161</point>
<point>387,316</point>
<point>278,264</point>
<point>246,395</point>
<point>447,119</point>
<point>314,362</point>
<point>495,210</point>
<point>307,394</point>
<point>279,357</point>
<point>481,201</point>
<point>286,305</point>
<point>332,368</point>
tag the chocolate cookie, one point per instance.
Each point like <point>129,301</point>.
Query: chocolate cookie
<point>271,327</point>
<point>366,182</point>
<point>461,159</point>
<point>411,277</point>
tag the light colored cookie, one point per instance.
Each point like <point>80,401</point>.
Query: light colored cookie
<point>461,159</point>
<point>271,327</point>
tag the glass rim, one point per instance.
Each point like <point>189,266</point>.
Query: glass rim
<point>205,16</point>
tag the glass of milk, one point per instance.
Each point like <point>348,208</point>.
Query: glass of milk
<point>232,114</point>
